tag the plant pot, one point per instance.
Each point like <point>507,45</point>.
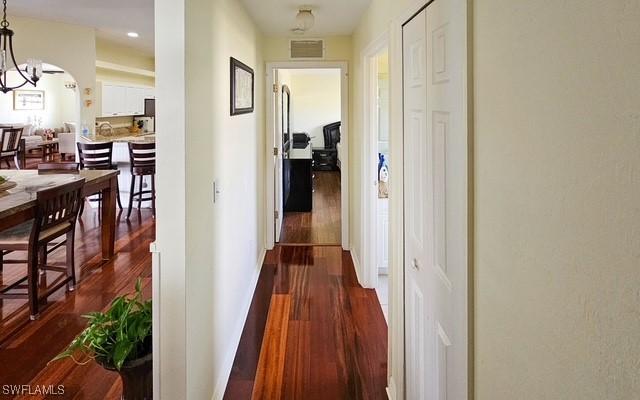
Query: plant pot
<point>137,378</point>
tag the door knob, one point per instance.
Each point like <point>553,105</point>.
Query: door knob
<point>415,265</point>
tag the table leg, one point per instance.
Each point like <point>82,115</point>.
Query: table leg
<point>109,219</point>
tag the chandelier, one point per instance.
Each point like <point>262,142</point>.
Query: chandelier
<point>33,68</point>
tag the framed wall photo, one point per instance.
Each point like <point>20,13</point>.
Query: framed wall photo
<point>28,100</point>
<point>242,88</point>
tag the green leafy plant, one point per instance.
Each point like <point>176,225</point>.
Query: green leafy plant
<point>120,334</point>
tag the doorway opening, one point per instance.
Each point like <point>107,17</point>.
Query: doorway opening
<point>311,150</point>
<point>376,156</point>
<point>50,111</point>
<point>307,180</point>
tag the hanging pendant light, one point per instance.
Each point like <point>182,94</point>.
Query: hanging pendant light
<point>33,68</point>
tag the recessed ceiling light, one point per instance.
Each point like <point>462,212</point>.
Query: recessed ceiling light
<point>133,34</point>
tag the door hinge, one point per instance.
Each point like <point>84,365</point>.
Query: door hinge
<point>275,151</point>
<point>276,214</point>
<point>275,88</point>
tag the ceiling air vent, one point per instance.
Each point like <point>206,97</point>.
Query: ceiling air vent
<point>306,49</point>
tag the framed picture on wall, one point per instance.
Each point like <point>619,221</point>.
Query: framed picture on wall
<point>28,100</point>
<point>242,88</point>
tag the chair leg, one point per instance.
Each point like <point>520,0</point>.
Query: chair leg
<point>71,267</point>
<point>82,207</point>
<point>6,161</point>
<point>133,185</point>
<point>118,195</point>
<point>32,282</point>
<point>140,193</point>
<point>153,195</point>
<point>1,260</point>
<point>43,259</point>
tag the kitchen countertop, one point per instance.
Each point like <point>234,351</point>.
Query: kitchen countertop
<point>143,137</point>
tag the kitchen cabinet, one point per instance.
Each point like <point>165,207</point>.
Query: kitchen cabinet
<point>115,100</point>
<point>135,100</point>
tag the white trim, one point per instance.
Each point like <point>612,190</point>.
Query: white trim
<point>345,139</point>
<point>236,334</point>
<point>155,313</point>
<point>126,69</point>
<point>391,390</point>
<point>356,264</point>
<point>369,165</point>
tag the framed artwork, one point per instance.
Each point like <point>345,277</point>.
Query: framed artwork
<point>242,88</point>
<point>28,100</point>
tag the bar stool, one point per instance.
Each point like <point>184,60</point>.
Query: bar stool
<point>97,156</point>
<point>56,215</point>
<point>143,163</point>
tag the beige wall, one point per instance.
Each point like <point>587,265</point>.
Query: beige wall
<point>315,101</point>
<point>60,104</point>
<point>69,47</point>
<point>557,191</point>
<point>337,48</point>
<point>225,240</point>
<point>116,53</point>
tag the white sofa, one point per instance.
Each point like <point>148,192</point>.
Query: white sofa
<point>66,136</point>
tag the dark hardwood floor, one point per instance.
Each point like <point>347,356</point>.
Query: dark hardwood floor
<point>27,346</point>
<point>312,331</point>
<point>322,226</point>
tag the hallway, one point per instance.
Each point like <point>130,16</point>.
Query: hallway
<point>312,331</point>
<point>321,226</point>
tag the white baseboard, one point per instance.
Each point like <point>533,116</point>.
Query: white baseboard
<point>391,389</point>
<point>236,334</point>
<point>356,265</point>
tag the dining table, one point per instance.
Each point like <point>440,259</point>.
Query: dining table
<point>18,201</point>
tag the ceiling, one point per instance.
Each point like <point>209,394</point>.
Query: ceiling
<point>332,17</point>
<point>111,18</point>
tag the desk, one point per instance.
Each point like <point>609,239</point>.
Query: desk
<point>298,179</point>
<point>18,205</point>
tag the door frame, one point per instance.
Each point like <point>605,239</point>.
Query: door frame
<point>369,164</point>
<point>343,66</point>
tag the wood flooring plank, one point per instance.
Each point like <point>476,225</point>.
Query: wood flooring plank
<point>321,226</point>
<point>335,345</point>
<point>269,377</point>
<point>27,346</point>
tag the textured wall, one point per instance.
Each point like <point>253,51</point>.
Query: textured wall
<point>557,199</point>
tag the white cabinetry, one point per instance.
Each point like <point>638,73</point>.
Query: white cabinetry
<point>115,100</point>
<point>135,100</point>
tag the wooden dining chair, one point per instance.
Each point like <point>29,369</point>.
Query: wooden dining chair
<point>98,156</point>
<point>10,145</point>
<point>56,215</point>
<point>142,157</point>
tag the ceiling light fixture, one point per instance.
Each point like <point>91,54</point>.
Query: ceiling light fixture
<point>304,20</point>
<point>33,68</point>
<point>133,34</point>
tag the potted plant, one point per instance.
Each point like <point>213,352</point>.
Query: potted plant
<point>119,339</point>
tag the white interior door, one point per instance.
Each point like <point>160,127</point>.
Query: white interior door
<point>435,165</point>
<point>277,171</point>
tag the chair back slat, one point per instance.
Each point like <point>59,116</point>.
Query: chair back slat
<point>142,157</point>
<point>58,205</point>
<point>10,139</point>
<point>58,168</point>
<point>96,155</point>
